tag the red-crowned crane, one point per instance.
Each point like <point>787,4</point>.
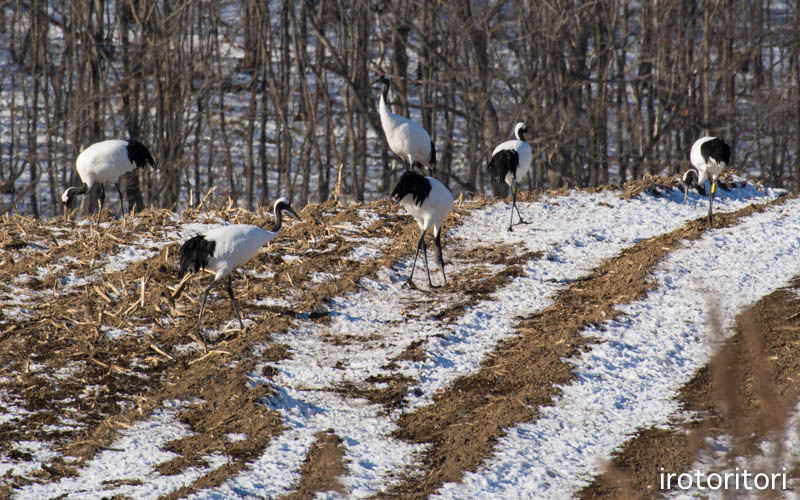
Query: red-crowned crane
<point>510,161</point>
<point>106,161</point>
<point>406,139</point>
<point>709,157</point>
<point>224,248</point>
<point>428,202</point>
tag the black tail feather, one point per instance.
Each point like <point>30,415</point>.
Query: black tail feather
<point>505,161</point>
<point>196,252</point>
<point>414,184</point>
<point>138,154</point>
<point>716,149</point>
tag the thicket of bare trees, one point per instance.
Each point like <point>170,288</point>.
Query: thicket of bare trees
<point>257,99</point>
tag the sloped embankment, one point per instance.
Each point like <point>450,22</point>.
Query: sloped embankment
<point>96,347</point>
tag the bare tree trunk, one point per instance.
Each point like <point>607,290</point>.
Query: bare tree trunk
<point>130,92</point>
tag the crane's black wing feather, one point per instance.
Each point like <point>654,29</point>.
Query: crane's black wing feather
<point>412,183</point>
<point>139,155</point>
<point>503,162</point>
<point>196,252</point>
<point>717,150</point>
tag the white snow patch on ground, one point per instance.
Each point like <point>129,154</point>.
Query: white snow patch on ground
<point>131,459</point>
<point>367,329</point>
<point>629,380</point>
<point>576,232</point>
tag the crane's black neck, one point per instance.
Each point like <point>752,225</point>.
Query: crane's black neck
<point>385,90</point>
<point>521,134</point>
<point>280,206</point>
<point>690,177</point>
<point>74,191</point>
<point>278,220</point>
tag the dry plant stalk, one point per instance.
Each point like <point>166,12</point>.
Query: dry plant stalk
<point>338,187</point>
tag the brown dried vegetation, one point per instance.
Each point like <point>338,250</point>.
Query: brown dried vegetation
<point>57,358</point>
<point>465,421</point>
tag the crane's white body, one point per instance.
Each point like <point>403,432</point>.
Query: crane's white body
<point>434,208</point>
<point>224,248</point>
<point>235,245</point>
<point>705,170</point>
<point>104,161</point>
<point>428,201</point>
<point>525,154</point>
<point>406,139</point>
<point>709,156</point>
<point>511,160</point>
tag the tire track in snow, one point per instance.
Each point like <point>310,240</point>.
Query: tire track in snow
<point>628,381</point>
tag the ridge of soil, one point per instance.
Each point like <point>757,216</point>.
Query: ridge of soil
<point>322,468</point>
<point>111,384</point>
<point>465,421</point>
<point>747,391</point>
<point>64,331</point>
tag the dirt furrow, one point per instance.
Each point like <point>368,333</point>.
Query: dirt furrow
<point>121,380</point>
<point>747,391</point>
<point>522,374</point>
<point>475,282</point>
<point>66,335</point>
<point>322,468</point>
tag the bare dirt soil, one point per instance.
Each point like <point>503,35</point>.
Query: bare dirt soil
<point>522,374</point>
<point>747,391</point>
<point>57,360</point>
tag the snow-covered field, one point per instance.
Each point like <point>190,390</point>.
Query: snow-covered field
<point>627,380</point>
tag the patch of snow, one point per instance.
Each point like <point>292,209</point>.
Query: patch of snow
<point>630,379</point>
<point>126,469</point>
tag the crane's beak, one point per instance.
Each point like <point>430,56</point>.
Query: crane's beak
<point>297,216</point>
<point>685,191</point>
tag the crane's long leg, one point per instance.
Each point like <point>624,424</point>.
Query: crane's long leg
<point>235,307</point>
<point>420,244</point>
<point>438,242</point>
<point>427,269</point>
<point>514,206</point>
<point>121,199</point>
<point>203,304</point>
<point>711,202</point>
<point>513,200</point>
<point>102,198</point>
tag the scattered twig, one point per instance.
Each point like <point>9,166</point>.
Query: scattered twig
<point>207,354</point>
<point>174,295</point>
<point>159,351</point>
